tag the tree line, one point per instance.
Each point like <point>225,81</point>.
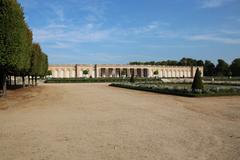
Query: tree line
<point>19,56</point>
<point>222,68</point>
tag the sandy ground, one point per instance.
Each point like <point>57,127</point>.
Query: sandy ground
<point>94,121</point>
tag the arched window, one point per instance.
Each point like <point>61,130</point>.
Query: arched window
<point>170,73</point>
<point>72,74</point>
<point>181,73</point>
<point>178,73</point>
<point>67,74</point>
<point>55,73</point>
<point>60,73</point>
<point>174,73</point>
<point>161,73</point>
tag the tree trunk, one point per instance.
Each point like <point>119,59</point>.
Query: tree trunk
<point>36,81</point>
<point>33,81</point>
<point>28,81</point>
<point>23,81</point>
<point>15,80</point>
<point>3,84</point>
<point>10,80</point>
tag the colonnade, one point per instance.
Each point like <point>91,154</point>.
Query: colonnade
<point>174,73</point>
<point>64,73</point>
<point>105,70</point>
<point>122,72</point>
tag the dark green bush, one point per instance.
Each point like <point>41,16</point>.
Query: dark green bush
<point>132,78</point>
<point>197,85</point>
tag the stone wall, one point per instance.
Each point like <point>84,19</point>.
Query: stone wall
<point>121,70</point>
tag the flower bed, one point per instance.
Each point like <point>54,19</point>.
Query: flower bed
<point>179,90</point>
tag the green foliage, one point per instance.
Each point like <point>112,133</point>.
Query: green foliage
<point>215,91</point>
<point>209,68</point>
<point>183,62</point>
<point>13,35</point>
<point>235,67</point>
<point>17,56</point>
<point>49,73</point>
<point>132,80</point>
<point>26,57</point>
<point>35,59</point>
<point>85,72</point>
<point>190,62</point>
<point>43,67</point>
<point>39,61</point>
<point>155,72</point>
<point>197,84</point>
<point>222,68</point>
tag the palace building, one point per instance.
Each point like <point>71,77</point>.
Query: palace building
<point>122,70</point>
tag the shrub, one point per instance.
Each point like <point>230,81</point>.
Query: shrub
<point>197,85</point>
<point>85,72</point>
<point>132,78</point>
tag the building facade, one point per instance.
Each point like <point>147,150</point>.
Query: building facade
<point>121,70</point>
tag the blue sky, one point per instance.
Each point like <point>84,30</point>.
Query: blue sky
<point>119,31</point>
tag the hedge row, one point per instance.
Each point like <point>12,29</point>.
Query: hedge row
<point>209,78</point>
<point>179,92</point>
<point>97,80</point>
<point>19,56</point>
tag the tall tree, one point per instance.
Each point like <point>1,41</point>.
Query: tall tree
<point>27,54</point>
<point>200,63</point>
<point>35,61</point>
<point>209,68</point>
<point>235,67</point>
<point>187,62</point>
<point>12,33</point>
<point>222,68</point>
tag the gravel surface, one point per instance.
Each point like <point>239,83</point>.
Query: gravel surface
<point>95,121</point>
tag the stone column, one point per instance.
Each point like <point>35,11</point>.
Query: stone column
<point>64,73</point>
<point>98,72</point>
<point>128,72</point>
<point>92,73</point>
<point>192,72</point>
<point>150,72</point>
<point>135,72</point>
<point>142,73</point>
<point>114,72</point>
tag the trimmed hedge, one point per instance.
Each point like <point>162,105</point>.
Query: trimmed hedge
<point>208,78</point>
<point>179,92</point>
<point>98,80</point>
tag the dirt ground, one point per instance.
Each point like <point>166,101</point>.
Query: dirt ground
<point>94,121</point>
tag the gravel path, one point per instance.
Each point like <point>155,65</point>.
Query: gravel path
<point>94,121</point>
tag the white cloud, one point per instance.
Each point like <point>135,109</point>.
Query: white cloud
<point>75,35</point>
<point>95,9</point>
<point>214,3</point>
<point>231,32</point>
<point>213,38</point>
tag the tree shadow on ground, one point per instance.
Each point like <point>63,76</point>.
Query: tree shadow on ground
<point>12,88</point>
